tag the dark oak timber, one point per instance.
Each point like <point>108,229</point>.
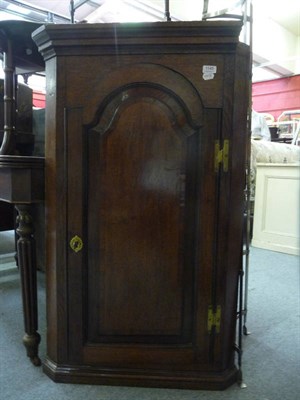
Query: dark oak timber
<point>144,229</point>
<point>22,184</point>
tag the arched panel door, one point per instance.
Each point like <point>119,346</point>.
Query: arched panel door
<point>140,181</point>
<point>138,220</point>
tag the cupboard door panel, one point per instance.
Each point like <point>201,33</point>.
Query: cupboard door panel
<point>141,267</point>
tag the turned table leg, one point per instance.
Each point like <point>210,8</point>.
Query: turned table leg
<point>27,267</point>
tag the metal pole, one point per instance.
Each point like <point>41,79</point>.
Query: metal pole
<point>72,11</point>
<point>167,10</point>
<point>205,7</point>
<point>248,203</point>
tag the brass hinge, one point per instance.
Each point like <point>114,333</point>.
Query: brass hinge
<point>221,155</point>
<point>214,318</point>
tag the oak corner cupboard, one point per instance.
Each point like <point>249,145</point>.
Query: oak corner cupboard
<point>145,164</point>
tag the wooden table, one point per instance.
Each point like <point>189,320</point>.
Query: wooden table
<point>22,184</point>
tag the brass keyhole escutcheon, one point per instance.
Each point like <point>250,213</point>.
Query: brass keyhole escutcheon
<point>76,243</point>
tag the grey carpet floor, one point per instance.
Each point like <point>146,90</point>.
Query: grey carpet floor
<point>270,360</point>
<point>7,244</point>
<point>7,250</point>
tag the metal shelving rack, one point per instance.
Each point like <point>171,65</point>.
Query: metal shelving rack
<point>246,16</point>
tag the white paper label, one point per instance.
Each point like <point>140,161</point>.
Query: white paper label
<point>209,69</point>
<point>207,76</point>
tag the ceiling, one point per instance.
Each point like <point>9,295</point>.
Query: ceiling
<point>287,15</point>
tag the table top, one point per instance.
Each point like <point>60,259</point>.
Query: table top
<point>22,179</point>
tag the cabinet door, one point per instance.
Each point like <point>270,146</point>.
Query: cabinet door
<point>134,191</point>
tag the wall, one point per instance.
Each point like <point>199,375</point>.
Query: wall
<point>38,99</point>
<point>276,96</point>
